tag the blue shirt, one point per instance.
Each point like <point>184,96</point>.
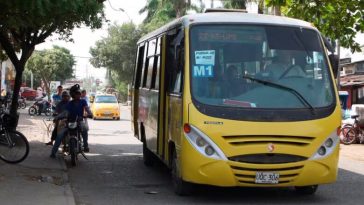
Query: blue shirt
<point>87,100</point>
<point>76,109</point>
<point>56,99</point>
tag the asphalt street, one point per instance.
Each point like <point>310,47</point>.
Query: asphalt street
<point>114,174</point>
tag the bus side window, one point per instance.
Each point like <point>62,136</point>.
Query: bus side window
<point>152,44</point>
<point>138,67</point>
<point>174,62</point>
<point>145,66</point>
<point>157,64</point>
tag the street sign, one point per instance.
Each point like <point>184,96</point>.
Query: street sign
<point>53,85</point>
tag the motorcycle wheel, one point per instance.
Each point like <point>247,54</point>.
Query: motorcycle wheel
<point>32,110</point>
<point>23,105</point>
<point>48,112</point>
<point>73,145</point>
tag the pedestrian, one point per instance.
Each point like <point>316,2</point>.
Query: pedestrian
<point>84,96</point>
<point>57,97</point>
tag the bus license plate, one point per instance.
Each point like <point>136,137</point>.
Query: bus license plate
<point>266,178</point>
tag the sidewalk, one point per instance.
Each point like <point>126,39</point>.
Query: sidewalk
<point>38,179</point>
<point>352,158</point>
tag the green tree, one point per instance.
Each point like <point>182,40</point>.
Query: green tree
<point>242,4</point>
<point>116,52</point>
<point>25,24</point>
<point>151,8</point>
<point>51,65</point>
<point>160,12</point>
<point>235,4</point>
<point>277,5</point>
<point>336,19</point>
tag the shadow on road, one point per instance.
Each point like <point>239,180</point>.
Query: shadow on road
<point>117,173</point>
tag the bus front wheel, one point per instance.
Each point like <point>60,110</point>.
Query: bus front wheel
<point>181,187</point>
<point>306,190</point>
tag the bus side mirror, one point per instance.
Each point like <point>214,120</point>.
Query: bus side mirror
<point>334,61</point>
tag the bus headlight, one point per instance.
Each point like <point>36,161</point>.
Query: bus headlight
<point>202,143</point>
<point>327,147</point>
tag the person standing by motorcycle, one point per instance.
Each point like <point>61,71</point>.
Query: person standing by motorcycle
<point>74,110</point>
<point>61,107</point>
<point>57,97</point>
<point>84,96</point>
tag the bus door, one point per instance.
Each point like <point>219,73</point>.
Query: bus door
<point>135,88</point>
<point>174,70</point>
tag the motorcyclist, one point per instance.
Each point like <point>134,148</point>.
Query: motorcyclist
<point>73,110</point>
<point>61,106</point>
<point>42,103</point>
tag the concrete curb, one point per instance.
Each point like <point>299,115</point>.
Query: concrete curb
<point>70,198</point>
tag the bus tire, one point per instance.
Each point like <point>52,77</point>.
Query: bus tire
<point>306,190</point>
<point>180,187</point>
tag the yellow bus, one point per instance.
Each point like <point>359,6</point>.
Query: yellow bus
<point>232,99</point>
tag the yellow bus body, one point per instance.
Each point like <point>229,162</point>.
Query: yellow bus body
<point>236,138</point>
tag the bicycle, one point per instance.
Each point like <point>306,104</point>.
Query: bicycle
<point>352,133</point>
<point>14,146</point>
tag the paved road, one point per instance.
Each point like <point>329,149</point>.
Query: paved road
<point>115,174</point>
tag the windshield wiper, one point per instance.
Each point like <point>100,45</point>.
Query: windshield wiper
<point>293,91</point>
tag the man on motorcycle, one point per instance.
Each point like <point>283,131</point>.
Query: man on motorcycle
<point>61,107</point>
<point>73,110</point>
<point>42,103</point>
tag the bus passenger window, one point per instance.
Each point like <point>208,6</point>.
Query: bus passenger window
<point>174,61</point>
<point>149,83</point>
<point>145,67</point>
<point>138,67</point>
<point>150,72</point>
<point>157,65</point>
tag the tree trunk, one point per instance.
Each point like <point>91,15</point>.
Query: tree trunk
<point>14,102</point>
<point>48,90</point>
<point>277,10</point>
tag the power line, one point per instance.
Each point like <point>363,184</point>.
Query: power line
<point>112,6</point>
<point>81,57</point>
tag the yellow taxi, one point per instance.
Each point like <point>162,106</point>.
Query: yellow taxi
<point>105,107</point>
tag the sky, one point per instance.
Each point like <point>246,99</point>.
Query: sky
<point>85,38</point>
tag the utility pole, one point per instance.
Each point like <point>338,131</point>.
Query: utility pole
<point>31,79</point>
<point>338,70</point>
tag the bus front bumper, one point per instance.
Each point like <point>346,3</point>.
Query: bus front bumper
<point>199,169</point>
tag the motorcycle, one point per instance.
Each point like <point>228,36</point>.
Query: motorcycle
<point>47,108</point>
<point>21,103</point>
<point>72,142</point>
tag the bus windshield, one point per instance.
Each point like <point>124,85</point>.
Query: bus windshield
<point>247,66</point>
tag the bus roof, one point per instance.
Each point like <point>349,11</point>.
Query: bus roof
<point>228,17</point>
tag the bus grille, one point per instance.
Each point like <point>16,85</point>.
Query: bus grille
<point>267,158</point>
<point>242,140</point>
<point>246,176</point>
